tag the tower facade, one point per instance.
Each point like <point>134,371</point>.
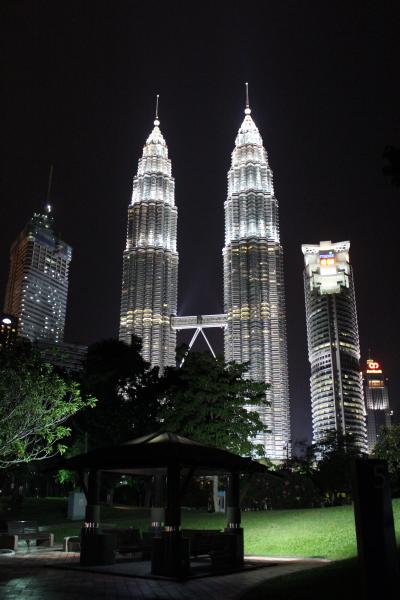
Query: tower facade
<point>333,343</point>
<point>37,288</point>
<point>150,259</point>
<point>376,395</point>
<point>254,297</point>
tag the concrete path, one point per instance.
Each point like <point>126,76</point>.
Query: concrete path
<point>31,576</point>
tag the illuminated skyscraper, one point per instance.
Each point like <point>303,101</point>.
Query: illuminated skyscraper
<point>376,396</point>
<point>37,288</point>
<point>333,343</point>
<point>150,259</point>
<point>254,297</point>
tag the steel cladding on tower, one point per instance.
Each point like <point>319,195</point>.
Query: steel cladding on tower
<point>333,343</point>
<point>254,297</point>
<point>150,259</point>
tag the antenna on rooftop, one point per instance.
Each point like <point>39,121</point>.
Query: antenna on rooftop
<point>247,110</point>
<point>48,205</point>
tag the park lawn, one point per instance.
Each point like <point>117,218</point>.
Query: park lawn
<point>317,532</point>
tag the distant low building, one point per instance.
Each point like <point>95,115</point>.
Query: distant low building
<point>66,356</point>
<point>376,394</point>
<point>8,330</point>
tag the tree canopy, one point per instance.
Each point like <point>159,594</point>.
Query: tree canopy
<point>392,169</point>
<point>35,403</point>
<point>388,448</point>
<point>206,400</point>
<point>127,392</point>
<point>335,454</point>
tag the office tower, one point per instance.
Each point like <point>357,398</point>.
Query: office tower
<point>150,259</point>
<point>37,288</point>
<point>254,297</point>
<point>333,343</point>
<point>376,395</point>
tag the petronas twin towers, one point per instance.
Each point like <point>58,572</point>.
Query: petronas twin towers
<point>254,320</point>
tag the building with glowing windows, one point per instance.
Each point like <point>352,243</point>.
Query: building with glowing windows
<point>254,297</point>
<point>376,395</point>
<point>150,259</point>
<point>333,343</point>
<point>37,288</point>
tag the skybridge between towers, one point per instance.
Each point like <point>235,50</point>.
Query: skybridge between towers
<point>198,323</point>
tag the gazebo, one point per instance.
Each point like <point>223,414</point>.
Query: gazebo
<point>172,460</point>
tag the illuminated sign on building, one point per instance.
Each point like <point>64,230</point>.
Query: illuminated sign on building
<point>327,259</point>
<point>373,367</point>
<point>376,383</point>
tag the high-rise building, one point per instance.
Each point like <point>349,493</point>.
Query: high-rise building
<point>376,396</point>
<point>333,344</point>
<point>150,259</point>
<point>254,297</point>
<point>37,288</point>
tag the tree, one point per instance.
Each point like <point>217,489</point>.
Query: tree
<point>127,392</point>
<point>388,448</point>
<point>206,400</point>
<point>35,403</point>
<point>332,476</point>
<point>392,170</point>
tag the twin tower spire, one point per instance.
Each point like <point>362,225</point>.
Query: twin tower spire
<point>254,319</point>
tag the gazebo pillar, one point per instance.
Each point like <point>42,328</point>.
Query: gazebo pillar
<point>170,555</point>
<point>173,511</point>
<point>157,513</point>
<point>93,498</point>
<point>233,515</point>
<point>233,502</point>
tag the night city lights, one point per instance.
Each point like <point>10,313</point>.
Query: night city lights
<point>199,329</point>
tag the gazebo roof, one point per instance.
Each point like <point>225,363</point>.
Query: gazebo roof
<point>156,452</point>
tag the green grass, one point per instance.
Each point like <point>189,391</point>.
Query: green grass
<point>322,532</point>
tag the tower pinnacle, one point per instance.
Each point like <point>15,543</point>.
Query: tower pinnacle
<point>157,121</point>
<point>247,110</point>
<point>48,197</point>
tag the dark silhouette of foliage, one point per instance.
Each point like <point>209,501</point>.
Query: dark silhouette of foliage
<point>332,475</point>
<point>392,155</point>
<point>388,448</point>
<point>127,392</point>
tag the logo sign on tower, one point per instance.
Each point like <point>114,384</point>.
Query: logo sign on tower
<point>373,366</point>
<point>327,259</point>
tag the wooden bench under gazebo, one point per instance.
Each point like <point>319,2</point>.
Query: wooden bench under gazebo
<point>172,461</point>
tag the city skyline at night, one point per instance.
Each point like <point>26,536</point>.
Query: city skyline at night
<point>79,94</point>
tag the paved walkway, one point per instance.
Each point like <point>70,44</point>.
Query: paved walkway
<point>30,576</point>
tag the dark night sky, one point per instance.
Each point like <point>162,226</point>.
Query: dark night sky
<point>79,84</point>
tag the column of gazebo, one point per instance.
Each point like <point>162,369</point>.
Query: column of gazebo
<point>233,515</point>
<point>92,514</point>
<point>97,547</point>
<point>170,554</point>
<point>157,511</point>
